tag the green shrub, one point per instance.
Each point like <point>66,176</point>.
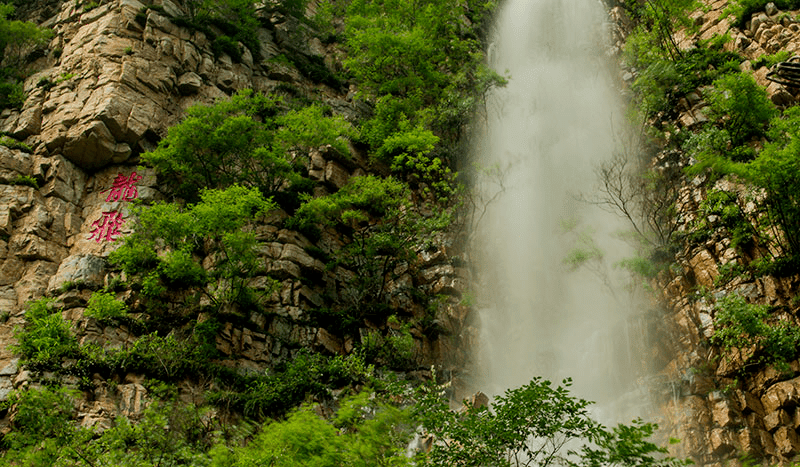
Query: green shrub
<point>216,226</point>
<point>774,170</point>
<point>26,180</point>
<point>741,106</point>
<point>11,143</point>
<point>745,329</point>
<point>104,306</point>
<point>42,425</point>
<point>12,94</point>
<point>536,422</point>
<point>248,139</point>
<point>744,9</point>
<point>45,338</point>
<point>18,39</point>
<point>226,45</point>
<point>288,384</point>
<point>770,60</point>
<point>384,228</point>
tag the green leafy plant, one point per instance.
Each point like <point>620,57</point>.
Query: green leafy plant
<point>770,60</point>
<point>748,332</point>
<point>11,143</point>
<point>741,105</point>
<point>42,424</point>
<point>45,338</point>
<point>215,226</point>
<point>26,180</point>
<point>104,306</point>
<point>384,228</point>
<point>533,424</point>
<point>742,10</point>
<point>248,140</point>
<point>421,66</point>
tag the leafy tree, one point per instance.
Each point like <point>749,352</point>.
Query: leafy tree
<point>17,40</point>
<point>363,433</point>
<point>775,169</point>
<point>423,66</point>
<point>247,139</point>
<point>45,339</point>
<point>536,424</point>
<point>42,425</point>
<point>745,329</point>
<point>741,105</point>
<point>658,20</point>
<point>744,9</point>
<point>105,306</point>
<point>215,227</point>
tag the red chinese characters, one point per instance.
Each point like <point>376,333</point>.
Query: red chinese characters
<point>123,188</point>
<point>107,228</point>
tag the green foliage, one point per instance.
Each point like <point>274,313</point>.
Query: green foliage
<point>26,180</point>
<point>395,349</point>
<point>104,306</point>
<point>770,60</point>
<point>363,433</point>
<point>214,226</point>
<point>12,93</point>
<point>42,423</point>
<point>246,139</point>
<point>45,338</point>
<point>775,170</point>
<point>741,106</point>
<point>44,434</point>
<point>236,19</point>
<point>746,329</point>
<point>724,206</point>
<point>276,392</point>
<point>384,228</point>
<point>642,267</point>
<point>656,23</point>
<point>663,79</point>
<point>18,39</point>
<point>11,143</point>
<point>422,66</point>
<point>227,45</point>
<point>536,424</point>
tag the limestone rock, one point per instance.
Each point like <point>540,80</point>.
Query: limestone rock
<point>704,267</point>
<point>79,268</point>
<point>787,443</point>
<point>189,83</point>
<point>785,394</point>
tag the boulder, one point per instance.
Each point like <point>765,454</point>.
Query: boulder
<point>79,268</point>
<point>189,83</point>
<point>784,394</point>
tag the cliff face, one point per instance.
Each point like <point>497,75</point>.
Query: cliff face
<point>115,77</point>
<point>719,405</point>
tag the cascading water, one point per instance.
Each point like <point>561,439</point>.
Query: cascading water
<point>547,131</point>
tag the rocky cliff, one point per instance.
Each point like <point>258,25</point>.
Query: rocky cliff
<point>720,407</point>
<point>114,78</point>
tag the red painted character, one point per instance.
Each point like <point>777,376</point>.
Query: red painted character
<point>123,188</point>
<point>107,228</point>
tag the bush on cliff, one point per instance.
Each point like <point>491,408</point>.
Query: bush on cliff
<point>217,227</point>
<point>249,139</point>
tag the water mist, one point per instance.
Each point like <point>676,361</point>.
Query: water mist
<point>545,133</point>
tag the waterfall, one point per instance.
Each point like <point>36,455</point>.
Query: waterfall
<point>546,132</point>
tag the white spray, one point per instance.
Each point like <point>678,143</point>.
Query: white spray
<point>547,131</point>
